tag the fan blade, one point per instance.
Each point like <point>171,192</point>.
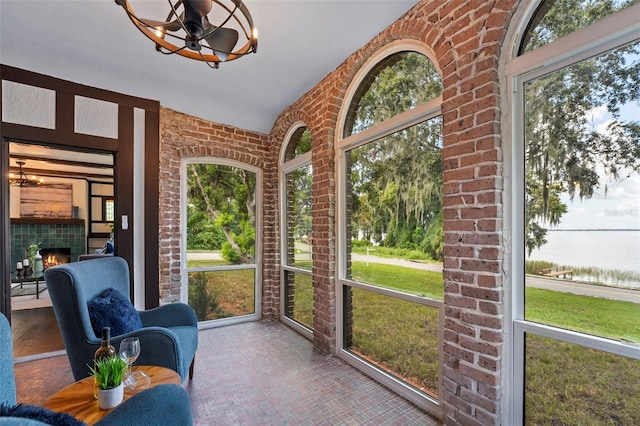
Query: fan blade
<point>222,41</point>
<point>200,7</point>
<point>167,26</point>
<point>195,13</point>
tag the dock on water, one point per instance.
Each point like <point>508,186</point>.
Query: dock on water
<point>558,272</point>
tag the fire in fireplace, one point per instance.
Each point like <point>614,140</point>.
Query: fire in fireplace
<point>55,256</point>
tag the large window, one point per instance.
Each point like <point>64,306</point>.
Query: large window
<point>221,219</point>
<point>297,241</point>
<point>577,260</point>
<point>390,286</point>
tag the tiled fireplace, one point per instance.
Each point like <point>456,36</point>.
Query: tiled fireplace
<point>65,237</point>
<point>52,256</point>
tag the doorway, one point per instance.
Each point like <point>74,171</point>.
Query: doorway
<point>61,204</point>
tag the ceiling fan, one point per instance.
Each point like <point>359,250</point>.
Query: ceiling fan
<point>189,21</point>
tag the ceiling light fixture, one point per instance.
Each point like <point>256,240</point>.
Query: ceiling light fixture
<point>188,29</point>
<point>22,179</point>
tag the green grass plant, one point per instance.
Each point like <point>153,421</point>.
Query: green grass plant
<point>109,372</point>
<point>591,275</point>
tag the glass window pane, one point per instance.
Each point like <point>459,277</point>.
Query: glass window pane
<point>583,257</point>
<point>109,210</point>
<point>398,336</point>
<point>299,218</point>
<point>557,18</point>
<point>567,384</point>
<point>300,143</point>
<point>397,84</point>
<point>394,208</point>
<point>221,213</point>
<point>222,294</point>
<point>299,298</point>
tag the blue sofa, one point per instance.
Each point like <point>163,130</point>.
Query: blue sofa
<point>170,403</point>
<point>169,333</point>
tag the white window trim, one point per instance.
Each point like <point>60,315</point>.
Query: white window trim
<point>614,31</point>
<point>285,168</point>
<point>257,267</point>
<point>363,72</point>
<point>421,113</point>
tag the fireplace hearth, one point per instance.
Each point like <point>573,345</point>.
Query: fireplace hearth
<point>55,256</point>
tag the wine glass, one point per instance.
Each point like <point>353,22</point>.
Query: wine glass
<point>129,352</point>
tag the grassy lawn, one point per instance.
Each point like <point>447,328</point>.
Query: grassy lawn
<point>415,281</point>
<point>399,336</point>
<point>592,315</point>
<point>565,384</point>
<point>228,294</point>
<point>303,300</point>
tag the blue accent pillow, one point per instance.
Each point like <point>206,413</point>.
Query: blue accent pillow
<point>40,414</point>
<point>112,309</point>
<point>108,247</point>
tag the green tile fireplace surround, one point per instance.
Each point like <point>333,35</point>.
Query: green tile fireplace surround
<point>52,233</point>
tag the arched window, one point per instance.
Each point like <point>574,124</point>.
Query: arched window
<point>575,138</point>
<point>390,210</point>
<point>396,84</point>
<point>221,217</point>
<point>297,237</point>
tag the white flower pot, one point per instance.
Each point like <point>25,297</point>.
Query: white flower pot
<point>110,398</point>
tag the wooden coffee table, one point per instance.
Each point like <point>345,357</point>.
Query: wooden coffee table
<point>78,400</point>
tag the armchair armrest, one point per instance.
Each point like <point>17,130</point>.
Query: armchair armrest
<point>169,315</point>
<point>158,346</point>
<point>166,404</point>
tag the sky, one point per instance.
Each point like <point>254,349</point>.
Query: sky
<point>619,207</point>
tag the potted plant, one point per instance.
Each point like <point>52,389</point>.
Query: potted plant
<point>32,251</point>
<point>109,374</point>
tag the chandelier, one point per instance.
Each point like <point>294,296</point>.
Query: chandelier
<point>204,30</point>
<point>23,179</point>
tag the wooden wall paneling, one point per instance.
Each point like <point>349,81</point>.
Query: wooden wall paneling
<point>5,255</point>
<point>151,210</point>
<point>123,169</point>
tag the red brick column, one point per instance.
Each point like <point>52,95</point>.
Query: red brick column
<point>467,38</point>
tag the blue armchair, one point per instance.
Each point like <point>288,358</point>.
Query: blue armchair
<point>169,337</point>
<point>167,402</point>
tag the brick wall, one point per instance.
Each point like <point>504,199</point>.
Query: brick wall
<point>184,136</point>
<point>466,38</point>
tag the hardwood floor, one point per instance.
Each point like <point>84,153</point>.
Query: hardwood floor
<point>35,331</point>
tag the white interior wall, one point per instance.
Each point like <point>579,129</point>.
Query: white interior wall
<point>34,106</point>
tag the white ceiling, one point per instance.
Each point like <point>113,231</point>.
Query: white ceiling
<point>93,42</point>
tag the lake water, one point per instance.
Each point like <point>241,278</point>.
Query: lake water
<point>601,249</point>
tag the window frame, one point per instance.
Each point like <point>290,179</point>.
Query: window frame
<point>256,266</point>
<point>285,167</point>
<point>423,112</point>
<point>609,33</point>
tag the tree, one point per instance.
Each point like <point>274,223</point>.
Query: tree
<point>396,181</point>
<point>223,197</point>
<point>564,153</point>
